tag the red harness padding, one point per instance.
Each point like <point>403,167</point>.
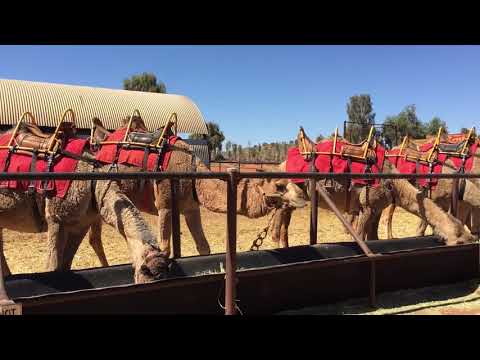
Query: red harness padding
<point>133,157</point>
<point>410,167</point>
<point>339,164</point>
<point>22,163</point>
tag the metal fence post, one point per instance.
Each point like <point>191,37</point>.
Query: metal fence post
<point>454,200</point>
<point>231,244</point>
<point>176,242</point>
<point>313,205</point>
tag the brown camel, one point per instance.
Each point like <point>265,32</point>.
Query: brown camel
<point>255,197</point>
<point>442,193</point>
<point>68,219</point>
<point>370,201</point>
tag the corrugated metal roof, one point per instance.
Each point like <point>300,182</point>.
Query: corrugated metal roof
<point>200,148</point>
<point>47,102</point>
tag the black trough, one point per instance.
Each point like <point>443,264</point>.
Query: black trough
<point>269,280</point>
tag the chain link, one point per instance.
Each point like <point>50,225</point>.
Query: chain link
<point>258,242</point>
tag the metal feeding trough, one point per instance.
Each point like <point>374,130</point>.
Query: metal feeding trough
<point>269,280</point>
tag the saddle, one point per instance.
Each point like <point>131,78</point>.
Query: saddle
<point>411,152</point>
<point>146,137</point>
<point>458,145</point>
<point>31,139</point>
<point>137,136</point>
<point>363,150</point>
<point>28,138</point>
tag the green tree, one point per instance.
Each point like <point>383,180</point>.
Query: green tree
<point>144,82</point>
<point>228,148</point>
<point>407,123</point>
<point>431,128</point>
<point>234,149</point>
<point>360,113</point>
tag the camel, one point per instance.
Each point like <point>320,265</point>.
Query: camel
<point>255,197</point>
<point>68,219</point>
<point>441,194</point>
<point>369,202</point>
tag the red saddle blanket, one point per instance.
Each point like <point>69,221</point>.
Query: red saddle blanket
<point>410,167</point>
<point>296,162</point>
<point>133,157</point>
<point>22,163</point>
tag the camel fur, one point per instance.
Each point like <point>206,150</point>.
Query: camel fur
<point>67,221</point>
<point>255,197</point>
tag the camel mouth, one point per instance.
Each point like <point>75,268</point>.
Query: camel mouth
<point>297,203</point>
<point>278,199</point>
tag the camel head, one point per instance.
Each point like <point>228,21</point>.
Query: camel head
<point>154,267</point>
<point>98,133</point>
<point>457,234</point>
<point>282,192</point>
<point>137,124</point>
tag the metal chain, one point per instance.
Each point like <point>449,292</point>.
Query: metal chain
<point>258,242</point>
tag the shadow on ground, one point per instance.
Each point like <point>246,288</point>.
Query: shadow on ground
<point>466,294</point>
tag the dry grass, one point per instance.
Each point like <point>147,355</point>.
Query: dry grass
<point>26,253</point>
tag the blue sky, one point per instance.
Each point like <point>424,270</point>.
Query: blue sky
<point>264,93</point>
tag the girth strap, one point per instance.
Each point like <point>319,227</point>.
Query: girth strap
<point>33,167</point>
<point>347,186</point>
<point>146,153</point>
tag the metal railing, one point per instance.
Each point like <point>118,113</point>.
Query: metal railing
<point>232,178</point>
<point>239,163</point>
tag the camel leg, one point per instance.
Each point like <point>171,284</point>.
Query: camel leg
<point>74,239</point>
<point>391,210</point>
<point>276,225</point>
<point>351,219</point>
<point>286,217</point>
<point>372,233</point>
<point>164,229</point>
<point>95,240</point>
<point>474,221</point>
<point>3,262</point>
<point>422,227</point>
<point>56,240</point>
<point>194,223</point>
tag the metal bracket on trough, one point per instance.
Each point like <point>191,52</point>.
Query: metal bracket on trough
<point>11,309</point>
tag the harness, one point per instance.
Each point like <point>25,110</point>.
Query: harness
<point>360,153</point>
<point>28,139</point>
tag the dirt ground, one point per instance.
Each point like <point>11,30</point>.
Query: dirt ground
<point>26,253</point>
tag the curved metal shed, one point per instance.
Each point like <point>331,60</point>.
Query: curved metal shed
<point>48,101</point>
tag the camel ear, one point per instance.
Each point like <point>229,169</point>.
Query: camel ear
<point>97,122</point>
